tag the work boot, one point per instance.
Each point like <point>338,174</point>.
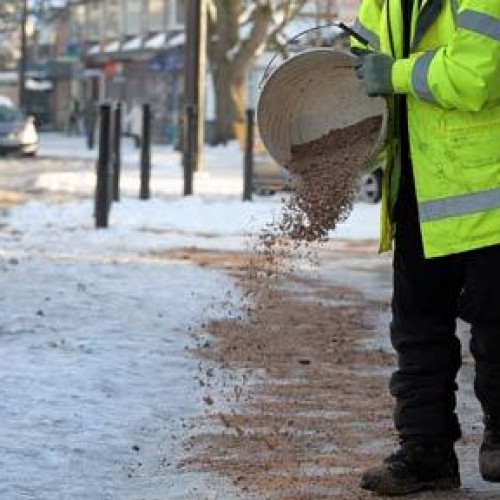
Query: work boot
<point>416,466</point>
<point>489,453</point>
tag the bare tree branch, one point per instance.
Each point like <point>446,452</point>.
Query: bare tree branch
<point>290,9</point>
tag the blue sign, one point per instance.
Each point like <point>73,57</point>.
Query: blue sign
<point>169,61</point>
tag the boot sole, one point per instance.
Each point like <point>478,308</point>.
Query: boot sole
<point>491,478</point>
<point>405,489</point>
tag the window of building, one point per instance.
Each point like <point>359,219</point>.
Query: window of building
<point>77,23</point>
<point>176,13</point>
<point>94,18</point>
<point>133,16</point>
<point>113,18</point>
<point>156,15</point>
<point>181,7</point>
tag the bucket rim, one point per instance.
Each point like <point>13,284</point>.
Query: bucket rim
<point>381,142</point>
<point>306,52</point>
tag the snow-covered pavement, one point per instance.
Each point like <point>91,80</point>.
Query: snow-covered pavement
<point>222,168</point>
<point>95,378</point>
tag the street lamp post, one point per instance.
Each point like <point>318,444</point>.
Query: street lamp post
<point>195,69</point>
<point>24,56</point>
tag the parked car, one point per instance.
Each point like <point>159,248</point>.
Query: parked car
<point>17,132</point>
<point>370,186</point>
<point>269,178</point>
<point>6,101</point>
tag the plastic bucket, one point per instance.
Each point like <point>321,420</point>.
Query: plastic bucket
<point>309,95</point>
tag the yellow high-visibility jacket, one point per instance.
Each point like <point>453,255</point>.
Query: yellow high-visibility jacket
<point>452,83</point>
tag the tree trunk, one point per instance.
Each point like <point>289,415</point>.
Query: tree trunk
<point>239,95</point>
<point>230,98</point>
<point>232,55</point>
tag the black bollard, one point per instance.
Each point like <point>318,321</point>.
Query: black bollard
<point>117,156</point>
<point>188,151</point>
<point>249,148</point>
<point>104,172</point>
<point>145,192</point>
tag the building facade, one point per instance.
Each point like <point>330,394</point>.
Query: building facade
<point>133,51</point>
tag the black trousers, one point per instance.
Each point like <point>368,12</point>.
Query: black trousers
<point>429,295</point>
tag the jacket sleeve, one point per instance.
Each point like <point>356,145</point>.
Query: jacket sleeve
<point>367,24</point>
<point>465,73</point>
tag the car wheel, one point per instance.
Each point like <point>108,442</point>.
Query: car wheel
<point>370,187</point>
<point>259,191</point>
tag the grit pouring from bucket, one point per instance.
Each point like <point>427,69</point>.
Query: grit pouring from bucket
<point>310,94</point>
<point>315,119</point>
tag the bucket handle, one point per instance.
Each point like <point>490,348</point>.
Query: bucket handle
<point>346,30</point>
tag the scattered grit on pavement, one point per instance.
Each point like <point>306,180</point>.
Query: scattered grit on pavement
<point>294,383</point>
<point>291,395</point>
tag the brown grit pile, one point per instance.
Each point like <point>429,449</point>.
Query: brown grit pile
<point>325,173</point>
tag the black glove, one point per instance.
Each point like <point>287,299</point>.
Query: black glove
<point>375,72</point>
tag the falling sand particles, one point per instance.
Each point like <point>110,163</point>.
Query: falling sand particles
<point>325,174</point>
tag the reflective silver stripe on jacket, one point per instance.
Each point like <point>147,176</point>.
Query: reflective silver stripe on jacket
<point>372,37</point>
<point>419,77</point>
<point>481,23</point>
<point>455,206</point>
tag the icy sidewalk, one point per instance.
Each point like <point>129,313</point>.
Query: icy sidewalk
<point>96,381</point>
<point>58,145</point>
<point>222,169</point>
<point>95,378</point>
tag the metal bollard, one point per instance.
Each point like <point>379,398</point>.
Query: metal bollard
<point>145,192</point>
<point>117,157</point>
<point>104,172</point>
<point>188,151</point>
<point>249,158</point>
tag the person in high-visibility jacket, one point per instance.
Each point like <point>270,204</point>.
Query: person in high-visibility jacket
<point>438,63</point>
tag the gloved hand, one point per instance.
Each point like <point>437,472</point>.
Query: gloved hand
<point>375,72</point>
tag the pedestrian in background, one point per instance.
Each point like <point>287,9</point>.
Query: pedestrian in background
<point>438,63</point>
<point>90,118</point>
<point>73,110</point>
<point>133,123</point>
